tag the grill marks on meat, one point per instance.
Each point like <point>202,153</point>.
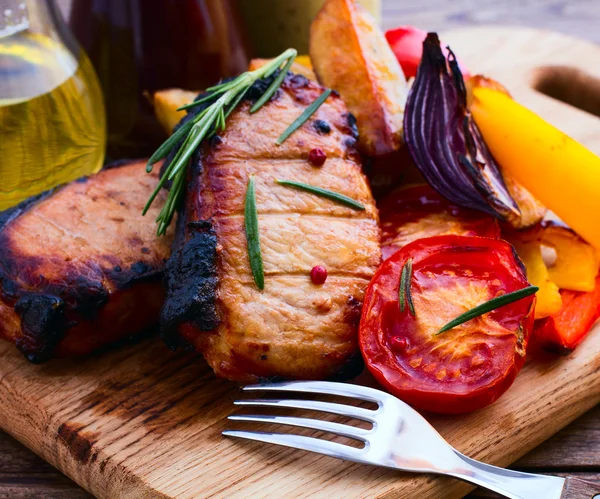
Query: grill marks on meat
<point>80,267</point>
<point>293,328</point>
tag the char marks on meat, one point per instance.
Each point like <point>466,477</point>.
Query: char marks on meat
<point>79,266</point>
<point>293,328</point>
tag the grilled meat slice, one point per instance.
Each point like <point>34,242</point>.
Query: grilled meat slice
<point>293,328</point>
<point>79,266</point>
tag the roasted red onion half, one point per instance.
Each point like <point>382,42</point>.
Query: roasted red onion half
<point>444,140</point>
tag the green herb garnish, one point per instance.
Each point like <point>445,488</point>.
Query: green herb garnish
<point>490,305</point>
<point>253,236</point>
<point>402,289</point>
<point>308,112</point>
<point>404,294</point>
<point>227,97</point>
<point>333,196</point>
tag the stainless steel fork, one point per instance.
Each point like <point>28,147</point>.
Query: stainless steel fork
<point>400,438</point>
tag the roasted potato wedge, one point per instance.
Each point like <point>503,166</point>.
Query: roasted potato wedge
<point>165,104</point>
<point>351,55</point>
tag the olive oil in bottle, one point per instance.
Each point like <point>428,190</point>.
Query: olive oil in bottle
<point>52,123</point>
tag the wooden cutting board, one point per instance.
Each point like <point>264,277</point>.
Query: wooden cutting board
<point>144,422</point>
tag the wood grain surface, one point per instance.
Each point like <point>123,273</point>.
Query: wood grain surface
<point>145,422</point>
<point>574,450</point>
<point>579,18</point>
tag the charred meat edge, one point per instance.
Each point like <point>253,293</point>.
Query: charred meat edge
<point>43,314</point>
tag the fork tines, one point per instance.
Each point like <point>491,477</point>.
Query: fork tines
<point>311,443</point>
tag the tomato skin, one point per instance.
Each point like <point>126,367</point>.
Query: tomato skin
<point>418,211</point>
<point>407,45</point>
<point>477,367</point>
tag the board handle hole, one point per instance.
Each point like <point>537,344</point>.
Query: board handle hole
<point>569,85</point>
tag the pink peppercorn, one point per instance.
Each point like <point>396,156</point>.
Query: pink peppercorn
<point>398,344</point>
<point>317,156</point>
<point>318,274</point>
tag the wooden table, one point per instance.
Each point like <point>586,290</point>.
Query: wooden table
<point>576,449</point>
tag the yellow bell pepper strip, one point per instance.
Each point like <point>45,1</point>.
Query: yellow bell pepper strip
<point>574,267</point>
<point>532,211</point>
<point>560,172</point>
<point>576,263</point>
<point>548,301</point>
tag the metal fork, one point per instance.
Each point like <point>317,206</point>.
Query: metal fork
<point>400,438</point>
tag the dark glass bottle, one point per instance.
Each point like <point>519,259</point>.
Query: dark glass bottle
<point>140,46</point>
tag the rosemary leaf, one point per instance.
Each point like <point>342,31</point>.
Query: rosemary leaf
<point>163,179</point>
<point>333,196</point>
<point>402,289</point>
<point>165,148</point>
<point>221,120</point>
<point>273,86</point>
<point>231,107</point>
<point>490,305</point>
<point>224,86</point>
<point>308,112</point>
<point>197,134</point>
<point>168,211</point>
<point>407,285</point>
<point>289,53</point>
<point>197,102</point>
<point>253,236</point>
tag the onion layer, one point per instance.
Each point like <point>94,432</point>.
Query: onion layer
<point>444,140</point>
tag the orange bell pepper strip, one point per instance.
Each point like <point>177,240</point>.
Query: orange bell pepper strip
<point>576,263</point>
<point>561,333</point>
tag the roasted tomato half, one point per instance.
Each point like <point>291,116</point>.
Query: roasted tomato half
<point>467,367</point>
<point>418,211</point>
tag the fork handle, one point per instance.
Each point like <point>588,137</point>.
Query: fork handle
<point>512,484</point>
<point>579,489</point>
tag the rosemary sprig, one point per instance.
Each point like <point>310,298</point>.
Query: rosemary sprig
<point>308,112</point>
<point>404,293</point>
<point>490,305</point>
<point>333,196</point>
<point>253,236</point>
<point>223,99</point>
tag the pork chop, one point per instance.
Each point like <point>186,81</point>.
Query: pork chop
<point>79,266</point>
<point>293,328</point>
